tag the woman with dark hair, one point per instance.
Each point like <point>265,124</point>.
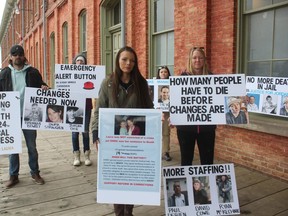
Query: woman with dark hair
<point>132,128</point>
<point>54,113</point>
<point>164,73</point>
<point>124,88</point>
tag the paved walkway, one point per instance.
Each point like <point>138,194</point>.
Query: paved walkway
<point>72,190</point>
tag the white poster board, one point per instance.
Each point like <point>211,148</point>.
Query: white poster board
<point>160,93</point>
<point>10,123</point>
<point>267,95</point>
<point>205,100</point>
<point>129,165</point>
<point>200,190</point>
<point>85,79</point>
<point>53,109</point>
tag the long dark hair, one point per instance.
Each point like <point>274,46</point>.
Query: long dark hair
<point>163,67</point>
<point>55,108</point>
<point>140,83</point>
<point>82,55</point>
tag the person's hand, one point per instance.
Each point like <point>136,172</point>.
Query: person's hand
<point>44,87</point>
<point>162,117</point>
<point>170,124</point>
<point>96,144</point>
<point>95,137</point>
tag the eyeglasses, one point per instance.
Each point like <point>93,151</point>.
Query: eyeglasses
<point>18,54</point>
<point>202,48</point>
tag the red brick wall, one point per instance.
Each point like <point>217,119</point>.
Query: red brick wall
<point>137,32</point>
<point>213,24</point>
<point>190,25</point>
<point>69,12</point>
<point>222,42</point>
<point>260,151</point>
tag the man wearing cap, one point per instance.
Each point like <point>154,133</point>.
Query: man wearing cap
<point>235,114</point>
<point>18,75</point>
<point>284,109</point>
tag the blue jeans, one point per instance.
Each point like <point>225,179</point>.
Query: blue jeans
<point>30,138</point>
<point>85,134</point>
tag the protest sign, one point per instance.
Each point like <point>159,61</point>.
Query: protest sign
<point>86,79</point>
<point>53,109</point>
<point>10,125</point>
<point>209,99</point>
<point>267,95</point>
<point>200,190</point>
<point>129,159</point>
<point>160,93</point>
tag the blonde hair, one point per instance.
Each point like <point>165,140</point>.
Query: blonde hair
<point>205,70</point>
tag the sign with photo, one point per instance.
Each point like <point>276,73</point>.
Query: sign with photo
<point>86,79</point>
<point>53,110</point>
<point>10,123</point>
<point>267,95</point>
<point>129,158</point>
<point>160,93</point>
<point>200,190</point>
<point>209,99</point>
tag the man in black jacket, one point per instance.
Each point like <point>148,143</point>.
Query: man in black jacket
<point>16,77</point>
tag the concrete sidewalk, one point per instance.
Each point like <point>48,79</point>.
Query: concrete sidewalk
<point>71,190</point>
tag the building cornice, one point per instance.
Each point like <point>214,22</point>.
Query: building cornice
<point>7,14</point>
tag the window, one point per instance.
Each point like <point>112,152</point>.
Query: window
<point>83,32</point>
<point>65,43</point>
<point>36,8</point>
<point>52,58</point>
<point>31,56</point>
<point>162,35</point>
<point>37,55</point>
<point>265,23</point>
<point>111,32</point>
<point>117,14</point>
<point>263,46</point>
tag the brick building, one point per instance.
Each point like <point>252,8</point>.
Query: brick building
<point>239,36</point>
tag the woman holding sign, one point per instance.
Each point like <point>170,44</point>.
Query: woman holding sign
<point>203,134</point>
<point>81,59</point>
<point>124,88</point>
<point>164,73</point>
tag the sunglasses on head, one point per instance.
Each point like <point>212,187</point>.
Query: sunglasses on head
<point>18,54</point>
<point>163,67</point>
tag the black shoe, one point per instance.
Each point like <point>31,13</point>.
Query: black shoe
<point>167,157</point>
<point>12,181</point>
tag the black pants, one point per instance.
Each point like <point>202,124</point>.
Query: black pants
<point>205,141</point>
